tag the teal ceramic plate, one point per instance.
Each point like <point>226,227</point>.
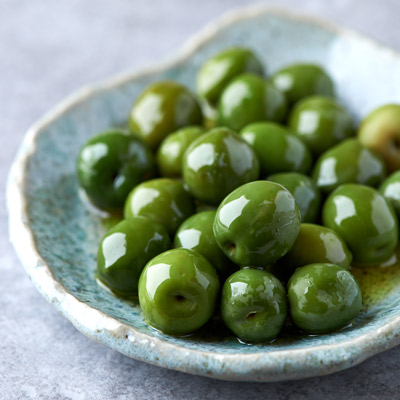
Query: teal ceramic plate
<point>56,235</point>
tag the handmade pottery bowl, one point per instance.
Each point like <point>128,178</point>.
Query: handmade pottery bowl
<point>56,234</point>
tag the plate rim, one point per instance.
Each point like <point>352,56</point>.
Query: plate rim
<point>278,365</point>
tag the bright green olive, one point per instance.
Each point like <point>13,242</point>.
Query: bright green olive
<point>178,291</point>
<point>126,249</point>
<point>305,192</point>
<point>163,200</point>
<point>257,223</point>
<point>323,297</point>
<point>380,131</point>
<point>217,71</point>
<point>172,148</point>
<point>365,221</point>
<point>161,109</point>
<point>320,122</point>
<point>249,98</point>
<point>196,233</point>
<point>110,164</point>
<point>348,162</point>
<point>315,244</point>
<point>277,149</point>
<point>254,305</point>
<point>298,81</point>
<point>218,162</point>
<point>390,189</point>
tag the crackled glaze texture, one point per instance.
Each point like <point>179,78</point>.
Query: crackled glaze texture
<point>56,233</point>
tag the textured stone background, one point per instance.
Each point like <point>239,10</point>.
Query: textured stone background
<point>47,50</point>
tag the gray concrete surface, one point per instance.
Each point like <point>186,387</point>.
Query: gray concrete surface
<point>48,49</point>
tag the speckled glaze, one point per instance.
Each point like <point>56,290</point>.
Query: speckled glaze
<point>56,234</point>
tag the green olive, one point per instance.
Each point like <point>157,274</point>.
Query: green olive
<point>305,192</point>
<point>171,150</point>
<point>277,148</point>
<point>196,233</point>
<point>178,291</point>
<point>323,297</point>
<point>298,81</point>
<point>254,305</point>
<point>126,249</point>
<point>217,71</point>
<point>218,162</point>
<point>314,244</point>
<point>348,162</point>
<point>365,220</point>
<point>110,164</point>
<point>161,109</point>
<point>320,122</point>
<point>249,98</point>
<point>380,131</point>
<point>163,200</point>
<point>257,223</point>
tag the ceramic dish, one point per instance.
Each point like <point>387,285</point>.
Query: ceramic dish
<point>56,235</point>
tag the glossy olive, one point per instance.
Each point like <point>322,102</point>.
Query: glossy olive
<point>298,81</point>
<point>178,291</point>
<point>277,149</point>
<point>126,249</point>
<point>390,189</point>
<point>172,148</point>
<point>320,122</point>
<point>217,71</point>
<point>254,305</point>
<point>163,200</point>
<point>380,131</point>
<point>305,192</point>
<point>161,109</point>
<point>348,162</point>
<point>365,221</point>
<point>249,98</point>
<point>196,233</point>
<point>323,297</point>
<point>257,223</point>
<point>218,162</point>
<point>110,164</point>
<point>315,244</point>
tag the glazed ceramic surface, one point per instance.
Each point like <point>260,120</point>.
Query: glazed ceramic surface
<point>56,234</point>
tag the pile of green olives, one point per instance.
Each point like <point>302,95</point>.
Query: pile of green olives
<point>248,201</point>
